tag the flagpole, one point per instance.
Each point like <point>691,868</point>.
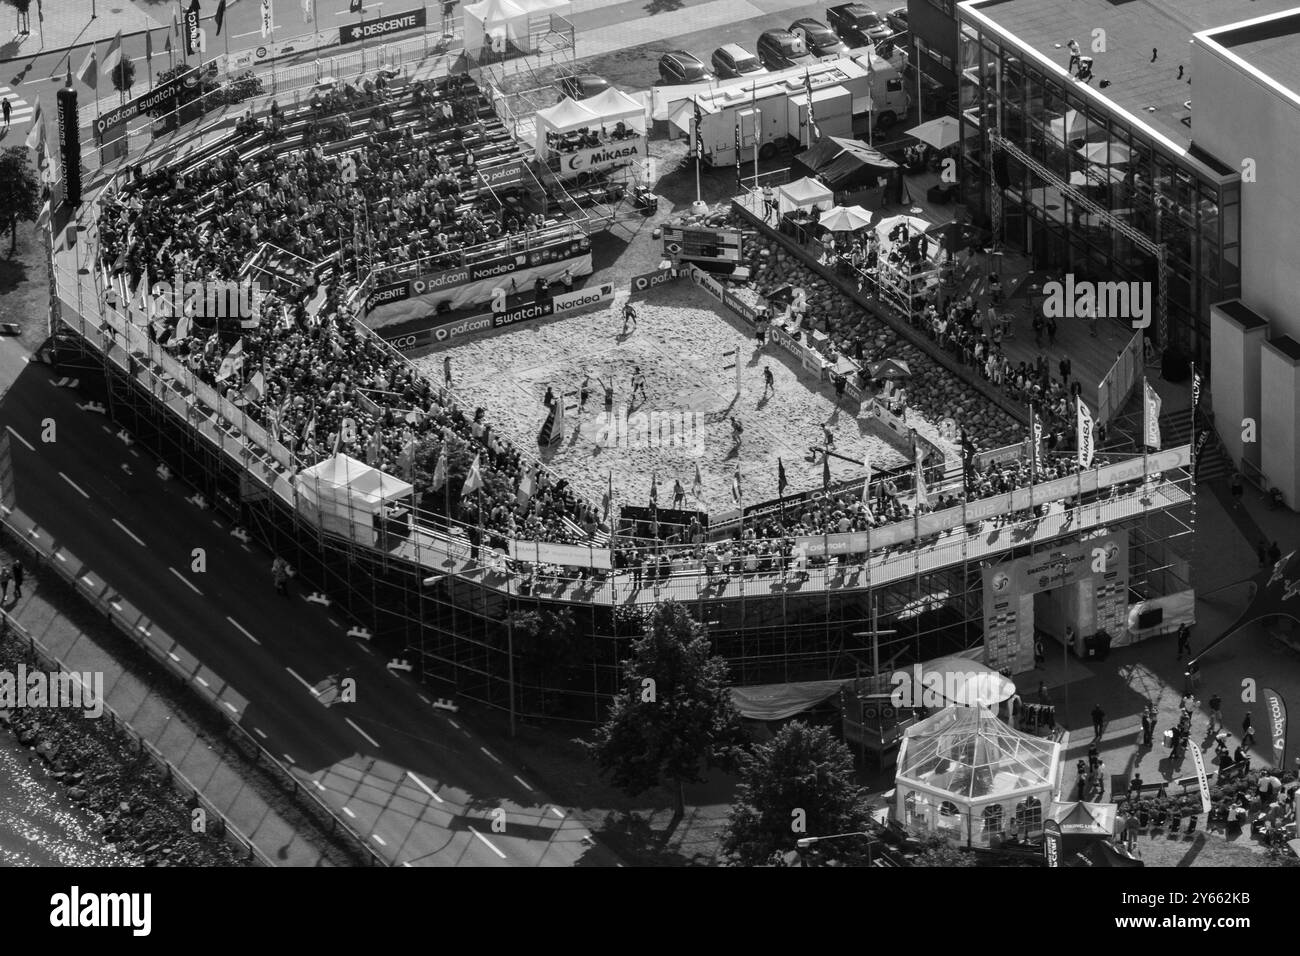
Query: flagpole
<point>1193,456</point>
<point>1146,431</point>
<point>758,127</point>
<point>698,149</point>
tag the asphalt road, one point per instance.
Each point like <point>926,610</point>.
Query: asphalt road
<point>415,781</point>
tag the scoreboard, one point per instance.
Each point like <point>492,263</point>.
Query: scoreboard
<point>702,245</point>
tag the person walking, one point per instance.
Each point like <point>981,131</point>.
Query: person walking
<point>1065,367</point>
<point>1184,641</point>
<point>1150,729</point>
<point>8,110</point>
<point>1216,713</point>
<point>1098,720</point>
<point>1075,54</point>
<point>769,381</point>
<point>280,576</point>
<point>1247,731</point>
<point>1146,728</point>
<point>1040,653</point>
<point>638,383</point>
<point>1051,330</point>
<point>629,318</point>
<point>584,391</point>
<point>18,573</point>
<point>6,575</point>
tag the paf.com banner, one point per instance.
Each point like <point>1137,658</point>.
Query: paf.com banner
<point>161,97</point>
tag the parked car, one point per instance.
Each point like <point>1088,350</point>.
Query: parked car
<point>897,19</point>
<point>679,67</point>
<point>818,37</point>
<point>733,60</point>
<point>779,49</point>
<point>579,86</point>
<point>858,25</point>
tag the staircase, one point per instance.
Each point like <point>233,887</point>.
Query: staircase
<point>1176,429</point>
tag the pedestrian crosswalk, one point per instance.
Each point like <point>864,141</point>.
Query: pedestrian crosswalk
<point>20,111</point>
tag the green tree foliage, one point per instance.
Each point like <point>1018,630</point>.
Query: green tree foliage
<point>20,191</point>
<point>799,783</point>
<point>937,851</point>
<point>545,644</point>
<point>674,716</point>
<point>460,455</point>
<point>123,75</point>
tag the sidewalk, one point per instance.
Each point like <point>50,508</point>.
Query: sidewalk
<point>67,24</point>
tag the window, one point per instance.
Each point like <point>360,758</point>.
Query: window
<point>893,86</point>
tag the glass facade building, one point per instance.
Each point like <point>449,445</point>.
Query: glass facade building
<point>1187,201</point>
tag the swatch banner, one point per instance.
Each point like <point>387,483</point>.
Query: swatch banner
<point>1275,711</point>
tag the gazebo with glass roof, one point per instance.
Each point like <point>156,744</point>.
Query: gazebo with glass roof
<point>965,774</point>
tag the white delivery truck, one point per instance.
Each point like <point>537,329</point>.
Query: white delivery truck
<point>774,107</point>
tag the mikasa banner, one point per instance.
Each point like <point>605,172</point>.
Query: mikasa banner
<point>614,154</point>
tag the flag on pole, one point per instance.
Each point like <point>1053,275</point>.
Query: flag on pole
<point>697,486</point>
<point>114,55</point>
<point>607,499</point>
<point>826,470</point>
<point>922,496</point>
<point>375,450</point>
<point>1151,416</point>
<point>697,150</point>
<point>256,387</point>
<point>233,362</point>
<point>36,135</point>
<point>654,490</point>
<point>182,328</point>
<point>88,74</point>
<point>267,16</point>
<point>474,480</point>
<point>866,485</point>
<point>148,46</point>
<point>220,16</point>
<point>740,183</point>
<point>1083,434</point>
<point>1196,376</point>
<point>167,47</point>
<point>781,482</point>
<point>812,122</point>
<point>735,487</point>
<point>338,440</point>
<point>1035,440</point>
<point>527,486</point>
<point>440,470</point>
<point>309,431</point>
<point>306,10</point>
<point>408,453</point>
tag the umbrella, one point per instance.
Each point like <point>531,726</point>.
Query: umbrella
<point>1106,154</point>
<point>890,368</point>
<point>845,219</point>
<point>939,133</point>
<point>915,226</point>
<point>782,293</point>
<point>1073,125</point>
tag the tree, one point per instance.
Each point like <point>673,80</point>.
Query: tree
<point>674,715</point>
<point>460,455</point>
<point>123,75</point>
<point>544,642</point>
<point>20,191</point>
<point>936,851</point>
<point>799,783</point>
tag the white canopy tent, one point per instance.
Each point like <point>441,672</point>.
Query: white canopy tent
<point>564,117</point>
<point>804,194</point>
<point>344,495</point>
<point>613,106</point>
<point>505,18</point>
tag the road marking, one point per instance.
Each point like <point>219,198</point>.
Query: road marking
<point>423,698</point>
<point>233,708</point>
<point>88,579</point>
<point>128,533</point>
<point>260,732</point>
<point>142,629</point>
<point>240,36</point>
<point>115,606</point>
<point>406,864</point>
<point>241,630</point>
<point>319,786</point>
<point>424,786</point>
<point>20,438</point>
<point>60,556</point>
<point>187,581</point>
<point>490,754</point>
<point>314,691</point>
<point>488,842</point>
<point>524,783</point>
<point>33,534</point>
<point>556,811</point>
<point>74,485</point>
<point>288,758</point>
<point>453,723</point>
<point>378,839</point>
<point>373,741</point>
<point>349,813</point>
<point>173,657</point>
<point>202,681</point>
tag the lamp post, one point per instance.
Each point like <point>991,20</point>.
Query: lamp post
<point>804,843</point>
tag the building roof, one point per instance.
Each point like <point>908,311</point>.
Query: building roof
<point>1270,45</point>
<point>1135,28</point>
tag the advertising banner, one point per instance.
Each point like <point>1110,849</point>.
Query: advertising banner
<point>599,157</point>
<point>394,23</point>
<point>161,97</point>
<point>394,292</point>
<point>709,284</point>
<point>435,281</point>
<point>705,245</point>
<point>505,174</point>
<point>1199,762</point>
<point>1052,842</point>
<point>1275,714</point>
<point>642,284</point>
<point>581,298</point>
<point>190,30</point>
<point>566,555</point>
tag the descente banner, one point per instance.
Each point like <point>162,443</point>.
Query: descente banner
<point>395,23</point>
<point>388,293</point>
<point>163,96</point>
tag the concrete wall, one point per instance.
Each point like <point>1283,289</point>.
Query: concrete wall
<point>1236,339</point>
<point>1279,423</point>
<point>1235,116</point>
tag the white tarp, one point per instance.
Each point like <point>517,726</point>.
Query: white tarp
<point>343,484</point>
